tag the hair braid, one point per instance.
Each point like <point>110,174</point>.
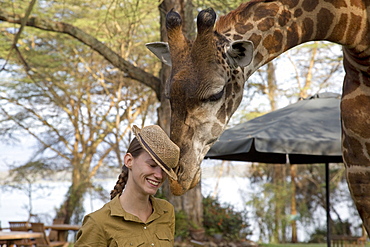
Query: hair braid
<point>135,150</point>
<point>121,183</point>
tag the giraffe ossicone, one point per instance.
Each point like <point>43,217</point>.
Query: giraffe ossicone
<point>208,76</point>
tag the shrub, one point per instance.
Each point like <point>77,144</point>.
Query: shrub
<point>181,225</point>
<point>223,219</point>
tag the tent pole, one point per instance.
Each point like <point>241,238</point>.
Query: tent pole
<point>327,185</point>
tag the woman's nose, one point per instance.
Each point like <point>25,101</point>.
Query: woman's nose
<point>159,173</point>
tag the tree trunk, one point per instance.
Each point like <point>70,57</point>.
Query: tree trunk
<point>293,174</point>
<point>271,84</point>
<point>277,182</point>
<point>73,204</point>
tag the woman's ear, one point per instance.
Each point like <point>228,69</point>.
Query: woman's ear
<point>128,159</point>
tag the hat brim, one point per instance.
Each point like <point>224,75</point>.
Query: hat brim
<point>143,144</point>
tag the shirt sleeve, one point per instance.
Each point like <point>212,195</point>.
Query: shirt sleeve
<point>90,234</point>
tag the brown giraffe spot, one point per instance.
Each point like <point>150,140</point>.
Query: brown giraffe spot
<point>298,12</point>
<point>227,31</point>
<point>348,85</point>
<point>216,129</point>
<point>284,17</point>
<point>309,5</point>
<point>354,27</point>
<point>358,4</point>
<point>325,18</point>
<point>358,188</point>
<point>364,77</point>
<point>352,157</point>
<point>221,114</point>
<point>290,3</point>
<point>266,24</point>
<point>237,87</point>
<point>223,55</point>
<point>228,89</point>
<point>239,99</point>
<point>367,144</point>
<point>273,42</point>
<point>230,107</point>
<point>257,59</point>
<point>242,28</point>
<point>244,14</point>
<point>256,39</point>
<point>356,116</point>
<point>263,11</point>
<point>293,37</point>
<point>237,37</point>
<point>338,30</point>
<point>307,29</point>
<point>337,4</point>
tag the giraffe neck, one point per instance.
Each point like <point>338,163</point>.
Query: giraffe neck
<point>274,27</point>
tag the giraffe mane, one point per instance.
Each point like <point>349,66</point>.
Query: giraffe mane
<point>231,18</point>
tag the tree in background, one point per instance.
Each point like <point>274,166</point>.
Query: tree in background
<point>75,104</point>
<point>24,179</point>
<point>312,75</point>
<point>117,31</point>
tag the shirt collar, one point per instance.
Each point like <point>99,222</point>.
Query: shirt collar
<point>117,210</point>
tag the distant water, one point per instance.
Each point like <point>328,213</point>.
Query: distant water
<point>232,187</point>
<point>14,204</point>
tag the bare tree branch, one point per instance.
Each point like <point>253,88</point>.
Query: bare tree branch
<point>130,70</point>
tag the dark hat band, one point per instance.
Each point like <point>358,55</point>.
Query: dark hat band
<point>154,154</point>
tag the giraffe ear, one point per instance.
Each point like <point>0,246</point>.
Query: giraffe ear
<point>240,53</point>
<point>161,50</point>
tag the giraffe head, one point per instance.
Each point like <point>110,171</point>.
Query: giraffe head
<point>205,88</point>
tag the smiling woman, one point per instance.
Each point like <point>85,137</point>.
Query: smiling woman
<point>133,216</point>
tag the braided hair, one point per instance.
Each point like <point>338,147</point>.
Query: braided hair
<point>135,150</point>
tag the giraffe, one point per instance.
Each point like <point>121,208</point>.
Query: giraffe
<point>208,75</point>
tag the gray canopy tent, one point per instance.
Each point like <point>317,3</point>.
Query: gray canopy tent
<point>305,132</point>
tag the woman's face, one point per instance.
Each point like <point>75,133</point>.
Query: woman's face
<point>146,175</point>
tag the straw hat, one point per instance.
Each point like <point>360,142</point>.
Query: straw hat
<point>159,146</point>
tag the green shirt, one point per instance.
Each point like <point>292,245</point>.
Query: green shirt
<point>112,226</point>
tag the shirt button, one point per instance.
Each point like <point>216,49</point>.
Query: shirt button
<point>144,227</point>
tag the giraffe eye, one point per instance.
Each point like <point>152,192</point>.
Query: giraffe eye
<point>217,96</point>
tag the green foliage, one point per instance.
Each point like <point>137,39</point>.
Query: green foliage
<point>269,204</point>
<point>217,219</point>
<point>338,227</point>
<point>318,235</point>
<point>182,225</point>
<point>221,7</point>
<point>224,219</point>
